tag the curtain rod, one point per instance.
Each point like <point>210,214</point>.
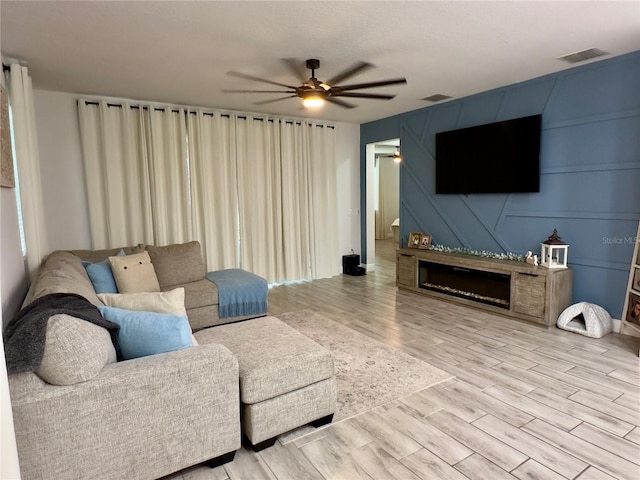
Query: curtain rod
<point>224,115</point>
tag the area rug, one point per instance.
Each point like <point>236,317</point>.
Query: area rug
<point>369,373</point>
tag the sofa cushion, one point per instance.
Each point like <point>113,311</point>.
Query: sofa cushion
<point>101,275</point>
<point>134,273</point>
<point>95,256</point>
<point>75,351</point>
<point>274,358</point>
<point>177,264</point>
<point>62,272</point>
<point>159,302</point>
<point>199,294</point>
<point>148,333</point>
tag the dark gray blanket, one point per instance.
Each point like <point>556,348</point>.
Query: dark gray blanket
<point>25,335</point>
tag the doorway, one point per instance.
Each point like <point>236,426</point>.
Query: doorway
<point>382,195</point>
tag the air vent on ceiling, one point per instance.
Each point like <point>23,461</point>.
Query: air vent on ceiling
<point>438,97</point>
<point>583,55</point>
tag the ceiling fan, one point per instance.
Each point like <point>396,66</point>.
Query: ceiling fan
<point>315,92</point>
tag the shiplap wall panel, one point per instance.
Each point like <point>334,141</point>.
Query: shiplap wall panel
<point>589,182</point>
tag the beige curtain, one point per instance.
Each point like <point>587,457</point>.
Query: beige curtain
<point>325,261</point>
<point>214,194</point>
<point>136,174</point>
<point>166,149</point>
<point>258,193</point>
<point>28,162</point>
<point>260,197</point>
<point>296,200</point>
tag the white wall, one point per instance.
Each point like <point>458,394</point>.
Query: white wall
<point>13,285</point>
<point>14,278</point>
<point>63,177</point>
<point>348,161</point>
<point>390,172</point>
<point>65,200</point>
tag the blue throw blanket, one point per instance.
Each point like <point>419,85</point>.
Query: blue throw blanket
<point>240,293</point>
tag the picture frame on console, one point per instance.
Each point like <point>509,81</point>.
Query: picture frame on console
<point>425,241</point>
<point>414,240</point>
<point>636,279</point>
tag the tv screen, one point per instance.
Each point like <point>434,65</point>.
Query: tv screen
<point>502,157</point>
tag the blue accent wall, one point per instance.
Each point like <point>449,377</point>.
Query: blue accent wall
<point>590,174</point>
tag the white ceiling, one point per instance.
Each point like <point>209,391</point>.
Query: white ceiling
<point>179,51</point>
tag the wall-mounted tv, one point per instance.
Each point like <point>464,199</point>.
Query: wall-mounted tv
<point>501,157</point>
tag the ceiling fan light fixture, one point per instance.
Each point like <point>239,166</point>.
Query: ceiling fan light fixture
<point>313,101</point>
<point>313,92</point>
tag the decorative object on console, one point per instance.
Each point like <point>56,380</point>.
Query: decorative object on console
<point>479,253</point>
<point>554,252</point>
<point>414,239</point>
<point>530,258</point>
<point>586,319</point>
<point>425,241</point>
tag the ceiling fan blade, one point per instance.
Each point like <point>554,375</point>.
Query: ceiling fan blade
<point>358,86</point>
<point>363,95</point>
<point>258,79</point>
<point>340,102</point>
<point>296,67</point>
<point>257,91</point>
<point>264,102</point>
<point>349,72</point>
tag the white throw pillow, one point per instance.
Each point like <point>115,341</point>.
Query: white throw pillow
<point>159,302</point>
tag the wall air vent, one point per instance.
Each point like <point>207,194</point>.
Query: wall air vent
<point>438,97</point>
<point>583,55</point>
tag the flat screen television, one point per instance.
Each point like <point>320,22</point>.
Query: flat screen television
<point>501,157</point>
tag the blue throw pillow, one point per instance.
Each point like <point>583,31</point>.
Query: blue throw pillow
<point>148,333</point>
<point>101,275</point>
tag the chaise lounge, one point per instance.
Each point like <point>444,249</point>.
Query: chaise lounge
<point>82,414</point>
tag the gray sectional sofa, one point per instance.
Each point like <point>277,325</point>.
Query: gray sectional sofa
<point>83,414</point>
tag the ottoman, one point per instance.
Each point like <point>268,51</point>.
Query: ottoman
<point>286,379</point>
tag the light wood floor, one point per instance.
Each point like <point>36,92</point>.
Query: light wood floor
<point>527,402</point>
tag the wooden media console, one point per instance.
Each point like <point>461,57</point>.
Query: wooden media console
<point>516,289</point>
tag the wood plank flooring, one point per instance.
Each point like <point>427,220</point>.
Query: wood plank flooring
<point>526,403</point>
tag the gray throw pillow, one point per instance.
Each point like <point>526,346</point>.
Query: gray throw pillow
<point>177,264</point>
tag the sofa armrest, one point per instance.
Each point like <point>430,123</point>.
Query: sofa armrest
<point>142,418</point>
